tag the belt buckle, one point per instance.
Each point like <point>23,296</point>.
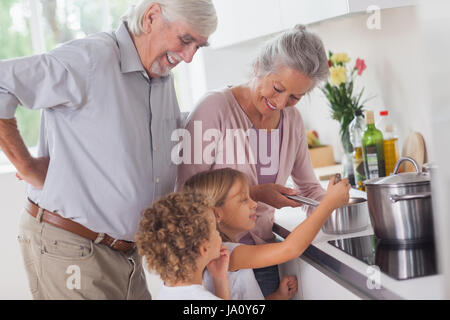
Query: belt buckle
<point>116,241</point>
<point>39,214</point>
<point>113,243</point>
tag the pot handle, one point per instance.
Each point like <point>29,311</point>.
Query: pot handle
<point>395,197</point>
<point>402,159</point>
<point>304,200</point>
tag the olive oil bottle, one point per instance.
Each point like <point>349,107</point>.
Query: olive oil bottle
<point>373,149</point>
<point>391,153</point>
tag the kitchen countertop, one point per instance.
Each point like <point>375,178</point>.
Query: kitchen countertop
<point>350,272</point>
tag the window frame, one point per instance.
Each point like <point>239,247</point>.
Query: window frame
<point>38,47</point>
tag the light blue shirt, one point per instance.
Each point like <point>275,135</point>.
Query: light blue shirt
<point>105,127</point>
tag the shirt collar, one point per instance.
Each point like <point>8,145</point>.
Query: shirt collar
<point>129,57</point>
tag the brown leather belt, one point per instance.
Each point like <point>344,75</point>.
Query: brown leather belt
<point>56,220</point>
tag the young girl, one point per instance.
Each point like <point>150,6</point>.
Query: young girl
<point>236,213</point>
<point>179,239</point>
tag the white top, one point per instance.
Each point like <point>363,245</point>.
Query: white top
<point>105,127</point>
<point>243,284</point>
<point>192,292</point>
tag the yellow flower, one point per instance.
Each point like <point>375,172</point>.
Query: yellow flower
<point>339,57</point>
<point>338,75</point>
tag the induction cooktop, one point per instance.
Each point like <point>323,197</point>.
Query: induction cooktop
<point>398,261</point>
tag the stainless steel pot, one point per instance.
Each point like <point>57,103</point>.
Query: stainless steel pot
<point>400,205</point>
<point>350,218</point>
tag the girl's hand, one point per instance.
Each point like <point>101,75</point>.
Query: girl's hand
<point>218,268</point>
<point>337,194</point>
<point>288,287</point>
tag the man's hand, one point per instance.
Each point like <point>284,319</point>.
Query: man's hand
<point>32,170</point>
<point>35,172</point>
<point>272,194</point>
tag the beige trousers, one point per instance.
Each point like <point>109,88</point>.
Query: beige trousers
<point>62,265</point>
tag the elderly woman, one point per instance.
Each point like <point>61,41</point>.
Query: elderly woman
<point>260,116</point>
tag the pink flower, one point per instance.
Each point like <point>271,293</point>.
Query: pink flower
<point>360,65</point>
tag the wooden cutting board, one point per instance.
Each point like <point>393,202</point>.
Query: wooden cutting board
<point>414,147</point>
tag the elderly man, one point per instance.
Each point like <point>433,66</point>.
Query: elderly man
<point>109,108</point>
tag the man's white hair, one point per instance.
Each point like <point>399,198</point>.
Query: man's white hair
<point>198,14</point>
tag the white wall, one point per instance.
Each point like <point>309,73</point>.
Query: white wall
<point>435,23</point>
<point>392,75</point>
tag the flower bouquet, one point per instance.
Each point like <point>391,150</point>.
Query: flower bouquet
<point>340,94</point>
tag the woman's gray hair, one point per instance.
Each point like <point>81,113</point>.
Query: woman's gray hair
<point>199,14</point>
<point>298,49</point>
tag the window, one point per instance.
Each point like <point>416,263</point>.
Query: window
<point>15,38</point>
<point>64,20</point>
<point>35,26</point>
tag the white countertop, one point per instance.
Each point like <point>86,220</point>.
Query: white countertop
<point>429,287</point>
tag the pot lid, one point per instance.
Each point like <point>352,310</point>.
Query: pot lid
<point>404,178</point>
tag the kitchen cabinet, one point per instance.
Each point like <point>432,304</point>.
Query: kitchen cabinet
<point>362,5</point>
<point>242,20</point>
<point>306,12</point>
<point>315,285</point>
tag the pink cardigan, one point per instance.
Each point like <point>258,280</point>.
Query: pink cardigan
<point>220,110</point>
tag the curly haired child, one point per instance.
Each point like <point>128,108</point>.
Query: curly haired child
<point>235,211</point>
<point>179,239</point>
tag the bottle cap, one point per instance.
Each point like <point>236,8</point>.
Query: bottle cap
<point>369,117</point>
<point>384,113</point>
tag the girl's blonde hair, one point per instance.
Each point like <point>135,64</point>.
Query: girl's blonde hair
<point>215,185</point>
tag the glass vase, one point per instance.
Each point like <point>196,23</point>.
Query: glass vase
<point>347,157</point>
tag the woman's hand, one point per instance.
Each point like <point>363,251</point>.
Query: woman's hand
<point>272,194</point>
<point>337,194</point>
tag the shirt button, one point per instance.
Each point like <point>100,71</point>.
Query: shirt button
<point>157,180</point>
<point>154,148</point>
